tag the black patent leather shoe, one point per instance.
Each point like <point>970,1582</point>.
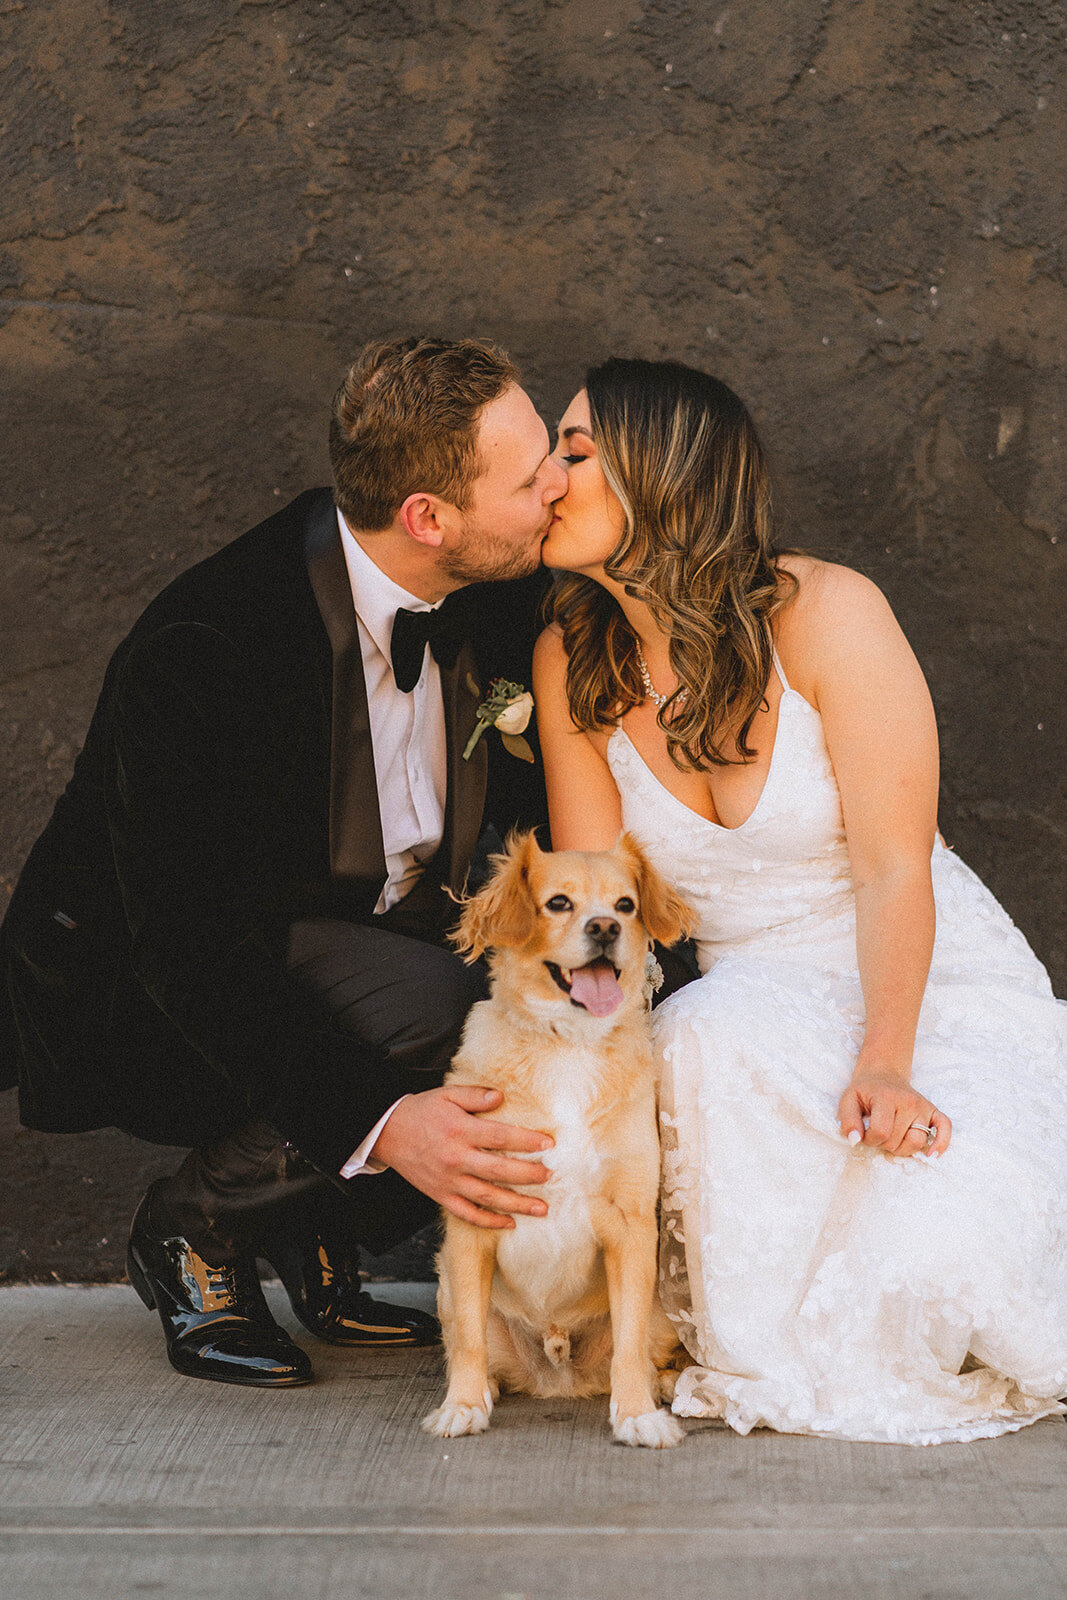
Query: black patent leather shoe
<point>216,1320</point>
<point>321,1278</point>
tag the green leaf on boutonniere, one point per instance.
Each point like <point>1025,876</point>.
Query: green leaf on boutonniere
<point>516,745</point>
<point>507,707</point>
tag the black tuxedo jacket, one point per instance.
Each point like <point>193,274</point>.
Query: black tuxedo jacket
<point>226,788</point>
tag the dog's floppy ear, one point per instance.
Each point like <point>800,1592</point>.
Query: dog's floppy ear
<point>664,913</point>
<point>504,913</point>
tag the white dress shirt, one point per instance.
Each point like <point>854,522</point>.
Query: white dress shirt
<point>407,730</point>
<point>410,754</point>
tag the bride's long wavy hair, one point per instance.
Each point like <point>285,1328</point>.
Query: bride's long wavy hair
<point>680,451</point>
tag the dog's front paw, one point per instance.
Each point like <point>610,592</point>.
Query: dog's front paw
<point>656,1430</point>
<point>452,1421</point>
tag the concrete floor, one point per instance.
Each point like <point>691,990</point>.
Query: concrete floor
<point>119,1478</point>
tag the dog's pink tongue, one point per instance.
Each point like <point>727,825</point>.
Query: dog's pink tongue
<point>596,988</point>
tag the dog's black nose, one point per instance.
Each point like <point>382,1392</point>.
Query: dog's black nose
<point>603,930</point>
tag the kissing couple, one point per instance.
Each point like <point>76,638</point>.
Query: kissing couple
<point>232,934</point>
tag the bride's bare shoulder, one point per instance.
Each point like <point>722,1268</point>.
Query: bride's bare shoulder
<point>834,618</point>
<point>549,655</point>
<point>550,673</point>
<point>826,592</point>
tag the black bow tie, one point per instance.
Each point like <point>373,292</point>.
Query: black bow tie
<point>412,632</point>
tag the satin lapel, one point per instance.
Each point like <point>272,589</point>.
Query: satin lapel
<point>466,779</point>
<point>356,849</point>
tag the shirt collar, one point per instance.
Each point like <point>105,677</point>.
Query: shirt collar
<point>376,597</point>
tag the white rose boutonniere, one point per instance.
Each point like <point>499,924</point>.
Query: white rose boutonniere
<point>508,708</point>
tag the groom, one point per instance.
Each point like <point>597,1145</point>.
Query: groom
<point>231,934</point>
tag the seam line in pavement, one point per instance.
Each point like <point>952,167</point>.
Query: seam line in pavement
<point>413,1529</point>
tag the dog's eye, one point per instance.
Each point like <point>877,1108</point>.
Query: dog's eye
<point>625,905</point>
<point>558,902</point>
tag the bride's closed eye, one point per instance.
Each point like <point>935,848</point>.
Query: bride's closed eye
<point>572,460</point>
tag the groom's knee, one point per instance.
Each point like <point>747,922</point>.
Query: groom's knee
<point>433,1009</point>
<point>407,996</point>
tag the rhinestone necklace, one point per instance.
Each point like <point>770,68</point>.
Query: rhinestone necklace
<point>658,700</point>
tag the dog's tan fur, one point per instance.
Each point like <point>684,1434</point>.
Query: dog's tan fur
<point>564,1304</point>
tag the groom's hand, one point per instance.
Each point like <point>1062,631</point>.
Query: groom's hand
<point>435,1141</point>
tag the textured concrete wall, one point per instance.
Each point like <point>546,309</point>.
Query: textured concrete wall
<point>852,211</point>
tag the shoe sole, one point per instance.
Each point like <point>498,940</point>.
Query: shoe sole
<point>401,1341</point>
<point>374,1344</point>
<point>242,1383</point>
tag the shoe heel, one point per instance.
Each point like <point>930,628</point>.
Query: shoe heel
<point>136,1274</point>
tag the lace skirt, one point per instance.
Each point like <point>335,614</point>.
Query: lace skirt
<point>835,1291</point>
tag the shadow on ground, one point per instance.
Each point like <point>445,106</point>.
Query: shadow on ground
<point>66,1200</point>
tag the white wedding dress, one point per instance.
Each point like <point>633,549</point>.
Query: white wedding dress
<point>823,1289</point>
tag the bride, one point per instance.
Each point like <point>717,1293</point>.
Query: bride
<point>864,1096</point>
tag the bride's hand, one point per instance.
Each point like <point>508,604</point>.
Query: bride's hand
<point>891,1107</point>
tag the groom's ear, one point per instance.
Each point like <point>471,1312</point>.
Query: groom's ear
<point>424,518</point>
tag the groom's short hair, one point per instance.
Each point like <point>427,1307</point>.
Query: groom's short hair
<point>405,420</point>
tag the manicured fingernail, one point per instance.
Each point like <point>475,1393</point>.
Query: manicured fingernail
<point>854,1137</point>
<point>547,1143</point>
<point>935,1155</point>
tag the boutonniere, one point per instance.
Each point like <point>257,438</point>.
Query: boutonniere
<point>507,708</point>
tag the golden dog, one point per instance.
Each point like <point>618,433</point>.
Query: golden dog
<point>565,1304</point>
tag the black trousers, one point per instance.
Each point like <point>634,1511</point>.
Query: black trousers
<point>405,993</point>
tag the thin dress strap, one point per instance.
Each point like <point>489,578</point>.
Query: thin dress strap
<point>778,668</point>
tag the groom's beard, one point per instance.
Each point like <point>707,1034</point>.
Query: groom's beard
<point>486,557</point>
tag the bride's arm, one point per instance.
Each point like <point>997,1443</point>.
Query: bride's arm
<point>585,812</point>
<point>882,738</point>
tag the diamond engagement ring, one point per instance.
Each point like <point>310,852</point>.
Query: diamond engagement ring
<point>922,1127</point>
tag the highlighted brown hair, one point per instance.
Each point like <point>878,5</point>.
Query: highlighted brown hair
<point>681,452</point>
<point>405,420</point>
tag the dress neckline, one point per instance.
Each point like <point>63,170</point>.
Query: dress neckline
<point>695,816</point>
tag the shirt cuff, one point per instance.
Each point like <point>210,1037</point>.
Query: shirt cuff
<point>361,1163</point>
